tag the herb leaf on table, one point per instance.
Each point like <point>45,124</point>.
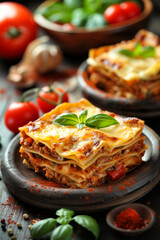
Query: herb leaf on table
<point>64,230</point>
<point>42,227</point>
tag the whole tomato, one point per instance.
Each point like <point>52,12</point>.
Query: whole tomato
<point>131,9</point>
<point>19,114</point>
<point>52,95</point>
<point>115,14</point>
<point>17,29</point>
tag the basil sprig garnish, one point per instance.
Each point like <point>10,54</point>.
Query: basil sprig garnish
<point>139,51</point>
<point>100,120</point>
<point>64,230</point>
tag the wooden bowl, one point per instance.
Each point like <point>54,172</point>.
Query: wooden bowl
<point>144,212</point>
<point>80,40</point>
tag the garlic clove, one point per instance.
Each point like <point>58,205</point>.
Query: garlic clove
<point>46,58</point>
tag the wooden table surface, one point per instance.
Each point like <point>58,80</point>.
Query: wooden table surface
<point>12,209</point>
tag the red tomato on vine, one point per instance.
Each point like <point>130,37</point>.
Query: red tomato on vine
<point>52,96</point>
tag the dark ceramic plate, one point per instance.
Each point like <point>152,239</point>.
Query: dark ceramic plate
<point>149,107</point>
<point>33,189</point>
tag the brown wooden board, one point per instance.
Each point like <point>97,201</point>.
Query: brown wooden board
<point>35,190</point>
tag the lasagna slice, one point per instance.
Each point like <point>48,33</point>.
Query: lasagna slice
<point>122,75</point>
<point>81,158</point>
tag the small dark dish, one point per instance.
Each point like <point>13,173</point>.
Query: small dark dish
<point>148,107</point>
<point>80,40</point>
<point>144,211</point>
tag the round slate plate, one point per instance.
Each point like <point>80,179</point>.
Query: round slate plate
<point>149,107</point>
<point>34,189</point>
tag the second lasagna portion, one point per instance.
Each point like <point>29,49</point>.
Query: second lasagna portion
<point>127,76</point>
<point>81,158</point>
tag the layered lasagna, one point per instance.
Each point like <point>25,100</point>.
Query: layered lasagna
<point>126,76</point>
<point>82,158</point>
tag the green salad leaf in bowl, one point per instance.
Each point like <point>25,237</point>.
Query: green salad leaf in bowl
<point>90,14</point>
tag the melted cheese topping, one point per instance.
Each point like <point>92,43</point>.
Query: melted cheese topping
<point>83,146</point>
<point>127,68</point>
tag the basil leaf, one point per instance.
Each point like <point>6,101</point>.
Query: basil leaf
<point>64,220</point>
<point>51,9</point>
<point>99,6</point>
<point>62,16</point>
<point>79,17</point>
<point>126,52</point>
<point>89,223</point>
<point>73,3</point>
<point>95,21</point>
<point>106,3</point>
<point>67,119</point>
<point>148,52</point>
<point>64,212</point>
<point>96,121</point>
<point>110,2</point>
<point>92,6</point>
<point>137,49</point>
<point>80,125</point>
<point>42,227</point>
<point>100,121</point>
<point>83,116</point>
<point>63,232</point>
<point>57,12</point>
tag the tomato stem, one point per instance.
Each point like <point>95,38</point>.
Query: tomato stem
<point>47,100</point>
<point>60,94</point>
<point>13,32</point>
<point>30,95</point>
<point>34,93</point>
<point>51,88</point>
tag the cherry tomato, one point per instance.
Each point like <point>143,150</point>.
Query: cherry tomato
<point>68,26</point>
<point>131,9</point>
<point>18,29</point>
<point>51,95</point>
<point>121,12</point>
<point>117,173</point>
<point>115,14</point>
<point>19,114</point>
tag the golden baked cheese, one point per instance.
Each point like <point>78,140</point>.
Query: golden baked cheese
<point>118,73</point>
<point>81,154</point>
<point>127,67</point>
<point>70,142</point>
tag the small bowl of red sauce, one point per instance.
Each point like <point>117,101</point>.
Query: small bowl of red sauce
<point>131,219</point>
